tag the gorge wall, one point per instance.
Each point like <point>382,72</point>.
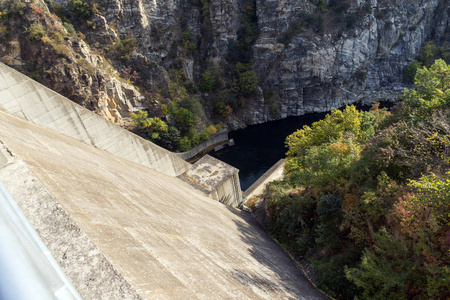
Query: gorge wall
<point>308,56</point>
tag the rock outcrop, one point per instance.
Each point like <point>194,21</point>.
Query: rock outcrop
<point>64,62</point>
<point>315,73</point>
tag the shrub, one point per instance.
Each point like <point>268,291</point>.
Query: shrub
<point>184,144</point>
<point>204,136</point>
<point>171,139</point>
<point>184,119</point>
<point>125,47</point>
<point>69,27</point>
<point>409,72</point>
<point>207,81</point>
<point>81,9</point>
<point>223,109</point>
<point>192,104</point>
<point>211,130</point>
<point>432,91</point>
<point>36,32</point>
<point>248,82</point>
<point>386,271</point>
<point>428,54</point>
<point>193,137</point>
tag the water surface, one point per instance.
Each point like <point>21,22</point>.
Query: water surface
<point>259,147</point>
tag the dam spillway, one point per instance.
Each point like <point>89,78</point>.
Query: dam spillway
<point>122,230</point>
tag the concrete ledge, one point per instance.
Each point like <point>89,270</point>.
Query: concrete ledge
<point>274,173</point>
<point>219,138</point>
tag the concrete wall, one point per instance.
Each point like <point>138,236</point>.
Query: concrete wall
<point>274,173</point>
<point>229,192</point>
<point>25,98</point>
<point>218,138</point>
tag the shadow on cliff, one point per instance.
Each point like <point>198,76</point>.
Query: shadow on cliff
<point>289,278</point>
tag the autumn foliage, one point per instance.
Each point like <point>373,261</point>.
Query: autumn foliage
<point>366,197</point>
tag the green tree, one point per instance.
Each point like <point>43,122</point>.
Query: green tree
<point>409,72</point>
<point>204,136</point>
<point>171,139</point>
<point>36,32</point>
<point>155,128</point>
<point>386,270</point>
<point>184,144</point>
<point>81,8</point>
<point>184,119</point>
<point>248,82</point>
<point>432,91</point>
<point>428,53</point>
<point>207,81</point>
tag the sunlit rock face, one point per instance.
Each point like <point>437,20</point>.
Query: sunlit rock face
<point>320,72</point>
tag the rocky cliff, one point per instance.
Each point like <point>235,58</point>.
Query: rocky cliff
<point>356,54</point>
<point>307,55</point>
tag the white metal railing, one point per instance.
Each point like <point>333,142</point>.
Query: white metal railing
<point>27,269</point>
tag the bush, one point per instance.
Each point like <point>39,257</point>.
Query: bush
<point>204,136</point>
<point>184,144</point>
<point>36,32</point>
<point>248,82</point>
<point>409,72</point>
<point>81,9</point>
<point>193,137</point>
<point>211,130</point>
<point>171,139</point>
<point>432,91</point>
<point>184,119</point>
<point>69,27</point>
<point>193,105</point>
<point>386,271</point>
<point>207,82</point>
<point>223,109</point>
<point>125,47</point>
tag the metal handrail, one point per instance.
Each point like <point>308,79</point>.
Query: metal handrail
<point>27,268</point>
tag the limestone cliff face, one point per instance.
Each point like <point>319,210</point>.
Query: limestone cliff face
<point>309,57</point>
<point>317,73</point>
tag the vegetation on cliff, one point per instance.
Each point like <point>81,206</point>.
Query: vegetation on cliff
<point>366,198</point>
<point>72,50</point>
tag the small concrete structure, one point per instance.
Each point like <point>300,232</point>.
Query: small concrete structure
<point>216,179</point>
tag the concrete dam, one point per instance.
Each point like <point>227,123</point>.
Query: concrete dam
<point>122,217</point>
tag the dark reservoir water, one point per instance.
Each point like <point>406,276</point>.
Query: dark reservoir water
<point>259,147</point>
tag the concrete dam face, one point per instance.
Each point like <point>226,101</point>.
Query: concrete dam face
<point>119,227</point>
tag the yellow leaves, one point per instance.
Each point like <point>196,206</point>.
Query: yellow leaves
<point>339,149</point>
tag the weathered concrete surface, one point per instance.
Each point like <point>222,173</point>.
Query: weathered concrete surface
<point>274,173</point>
<point>216,180</point>
<point>166,239</point>
<point>25,98</point>
<point>92,275</point>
